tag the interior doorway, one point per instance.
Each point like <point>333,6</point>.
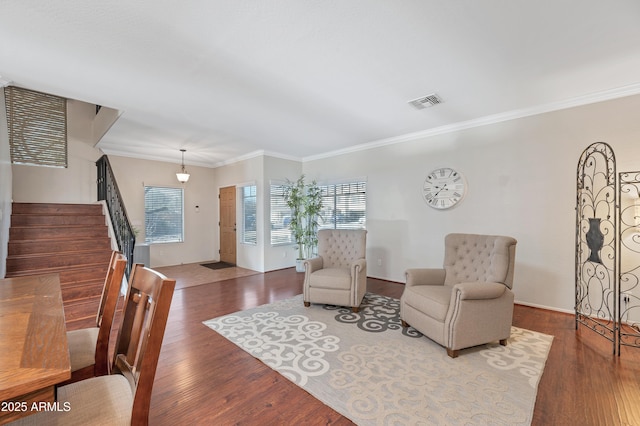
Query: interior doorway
<point>227,198</point>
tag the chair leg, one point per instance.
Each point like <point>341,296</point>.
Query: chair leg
<point>404,323</point>
<point>307,304</point>
<point>453,353</point>
<point>503,342</point>
<point>355,309</point>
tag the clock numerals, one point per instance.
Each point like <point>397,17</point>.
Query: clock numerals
<point>443,188</point>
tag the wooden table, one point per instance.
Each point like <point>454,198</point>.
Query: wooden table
<point>34,354</point>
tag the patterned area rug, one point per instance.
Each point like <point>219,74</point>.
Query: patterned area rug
<point>371,370</point>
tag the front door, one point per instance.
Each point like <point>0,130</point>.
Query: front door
<point>228,224</point>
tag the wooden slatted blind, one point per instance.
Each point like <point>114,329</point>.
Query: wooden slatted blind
<point>37,125</point>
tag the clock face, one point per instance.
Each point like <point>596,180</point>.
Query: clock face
<point>443,188</point>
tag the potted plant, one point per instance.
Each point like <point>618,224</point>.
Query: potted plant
<point>313,207</point>
<point>305,202</point>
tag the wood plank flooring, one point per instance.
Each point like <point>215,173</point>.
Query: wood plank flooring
<point>203,379</point>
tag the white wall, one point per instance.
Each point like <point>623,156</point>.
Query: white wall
<point>200,224</point>
<point>74,184</point>
<point>241,173</point>
<point>522,182</point>
<point>244,173</point>
<point>260,171</point>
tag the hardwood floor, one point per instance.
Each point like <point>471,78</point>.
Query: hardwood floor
<point>204,379</point>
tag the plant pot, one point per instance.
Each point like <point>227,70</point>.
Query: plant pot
<point>299,265</point>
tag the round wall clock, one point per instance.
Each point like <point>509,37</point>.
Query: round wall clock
<point>444,188</point>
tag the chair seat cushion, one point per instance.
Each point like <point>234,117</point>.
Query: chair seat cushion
<point>331,278</point>
<point>432,300</point>
<point>105,400</point>
<point>82,347</point>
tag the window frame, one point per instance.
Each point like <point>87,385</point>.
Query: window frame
<point>359,186</point>
<point>253,193</point>
<point>278,222</point>
<point>283,234</point>
<point>149,240</point>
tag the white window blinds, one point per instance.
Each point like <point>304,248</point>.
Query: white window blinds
<point>280,215</point>
<point>344,205</point>
<point>163,214</point>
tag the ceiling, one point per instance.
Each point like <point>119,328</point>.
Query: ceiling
<point>304,79</point>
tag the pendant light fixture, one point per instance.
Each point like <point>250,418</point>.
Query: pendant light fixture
<point>183,176</point>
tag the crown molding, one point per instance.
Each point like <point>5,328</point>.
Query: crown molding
<point>163,159</point>
<point>259,153</point>
<point>591,98</point>
<point>605,95</point>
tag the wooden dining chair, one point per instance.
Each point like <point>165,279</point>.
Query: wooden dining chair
<point>124,396</point>
<point>89,347</point>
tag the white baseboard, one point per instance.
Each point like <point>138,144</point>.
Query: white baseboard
<point>549,308</point>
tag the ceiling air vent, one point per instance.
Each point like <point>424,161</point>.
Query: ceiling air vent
<point>426,101</point>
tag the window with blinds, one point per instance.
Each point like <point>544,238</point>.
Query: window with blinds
<point>344,206</point>
<point>37,124</point>
<point>249,211</point>
<point>163,215</point>
<point>280,216</point>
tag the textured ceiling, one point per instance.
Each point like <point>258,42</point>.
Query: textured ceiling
<point>303,78</point>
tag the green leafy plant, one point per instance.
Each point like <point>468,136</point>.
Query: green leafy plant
<point>305,202</point>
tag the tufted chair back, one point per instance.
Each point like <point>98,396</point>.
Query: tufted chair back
<point>339,247</point>
<point>484,258</point>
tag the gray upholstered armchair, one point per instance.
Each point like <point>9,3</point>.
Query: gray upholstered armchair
<point>338,275</point>
<point>469,301</point>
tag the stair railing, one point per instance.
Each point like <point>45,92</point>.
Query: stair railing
<point>109,192</point>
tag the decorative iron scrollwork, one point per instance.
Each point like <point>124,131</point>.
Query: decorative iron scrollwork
<point>629,302</point>
<point>608,248</point>
<point>596,223</point>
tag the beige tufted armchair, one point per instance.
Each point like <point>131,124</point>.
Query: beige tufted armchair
<point>338,276</point>
<point>469,301</point>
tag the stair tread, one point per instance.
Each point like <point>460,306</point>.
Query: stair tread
<point>58,214</point>
<point>58,253</point>
<point>19,247</point>
<point>78,300</point>
<point>80,283</point>
<point>58,226</point>
<point>39,271</point>
<point>55,208</point>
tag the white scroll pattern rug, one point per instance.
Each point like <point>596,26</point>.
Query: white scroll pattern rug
<point>371,370</point>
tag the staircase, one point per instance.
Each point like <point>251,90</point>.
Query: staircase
<point>69,239</point>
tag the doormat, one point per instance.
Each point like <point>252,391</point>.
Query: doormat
<point>218,265</point>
